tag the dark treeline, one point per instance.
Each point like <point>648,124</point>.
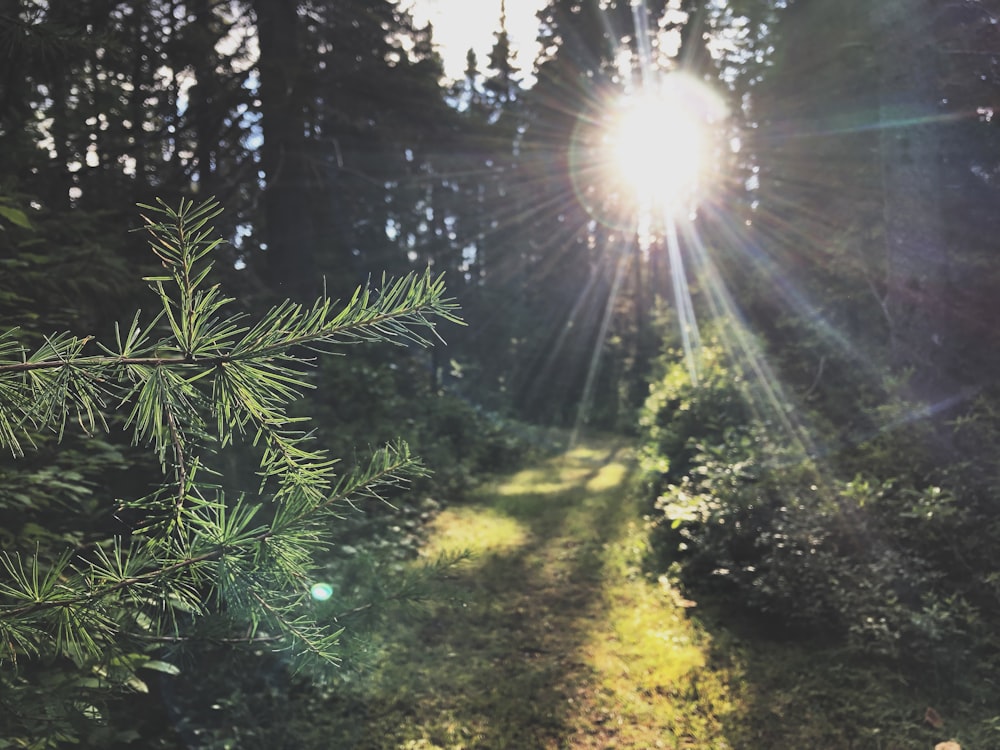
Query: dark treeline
<point>831,465</point>
<point>327,135</point>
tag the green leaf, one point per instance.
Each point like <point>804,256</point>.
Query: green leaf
<point>162,666</point>
<point>15,216</point>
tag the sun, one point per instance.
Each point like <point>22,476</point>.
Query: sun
<point>657,148</point>
<point>645,159</point>
<point>659,142</point>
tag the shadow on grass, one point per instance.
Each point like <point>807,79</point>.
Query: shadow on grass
<point>500,666</point>
<point>550,637</point>
<point>799,690</point>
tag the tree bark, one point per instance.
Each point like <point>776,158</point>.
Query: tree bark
<point>918,288</point>
<point>289,226</point>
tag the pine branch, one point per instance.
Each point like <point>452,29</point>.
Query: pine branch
<point>302,632</point>
<point>196,551</point>
<point>387,466</point>
<point>369,316</point>
<point>255,372</point>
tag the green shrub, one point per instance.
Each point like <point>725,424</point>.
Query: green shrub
<point>879,559</point>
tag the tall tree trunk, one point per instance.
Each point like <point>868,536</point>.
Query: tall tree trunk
<point>137,96</point>
<point>203,103</point>
<point>918,289</point>
<point>289,226</point>
<point>13,85</point>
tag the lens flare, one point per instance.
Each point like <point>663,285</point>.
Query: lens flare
<point>321,592</point>
<point>659,144</point>
<point>648,152</point>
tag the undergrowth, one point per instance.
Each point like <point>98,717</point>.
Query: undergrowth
<point>861,557</point>
<point>546,630</point>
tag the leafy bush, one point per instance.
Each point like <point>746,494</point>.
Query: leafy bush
<point>677,414</point>
<point>367,400</point>
<point>866,543</point>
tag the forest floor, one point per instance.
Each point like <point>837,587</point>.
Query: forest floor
<point>553,636</point>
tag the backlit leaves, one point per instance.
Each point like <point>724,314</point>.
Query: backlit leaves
<point>190,380</point>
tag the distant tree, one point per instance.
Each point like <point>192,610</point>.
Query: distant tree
<point>580,258</point>
<point>872,131</point>
<point>350,103</point>
<point>918,291</point>
<point>289,174</point>
<point>968,84</point>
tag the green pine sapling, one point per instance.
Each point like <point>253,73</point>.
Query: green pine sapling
<point>189,382</point>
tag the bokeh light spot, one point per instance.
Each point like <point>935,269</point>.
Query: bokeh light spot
<point>321,591</point>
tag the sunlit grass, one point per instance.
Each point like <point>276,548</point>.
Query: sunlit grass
<point>652,683</point>
<point>556,475</point>
<point>610,476</point>
<point>525,486</point>
<point>560,641</point>
<point>477,530</point>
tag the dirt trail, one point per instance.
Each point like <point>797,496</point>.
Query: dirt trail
<point>553,638</point>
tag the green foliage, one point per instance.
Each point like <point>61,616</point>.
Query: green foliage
<point>187,382</point>
<point>13,214</point>
<point>676,414</point>
<point>371,397</point>
<point>866,544</point>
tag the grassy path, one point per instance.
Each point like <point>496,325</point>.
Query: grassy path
<point>552,638</point>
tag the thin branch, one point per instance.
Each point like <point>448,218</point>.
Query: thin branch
<point>147,577</point>
<point>345,330</point>
<point>387,472</point>
<point>179,458</point>
<point>312,644</point>
<point>50,364</point>
<point>201,639</point>
<point>819,376</point>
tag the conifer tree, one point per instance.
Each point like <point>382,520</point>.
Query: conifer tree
<point>188,383</point>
